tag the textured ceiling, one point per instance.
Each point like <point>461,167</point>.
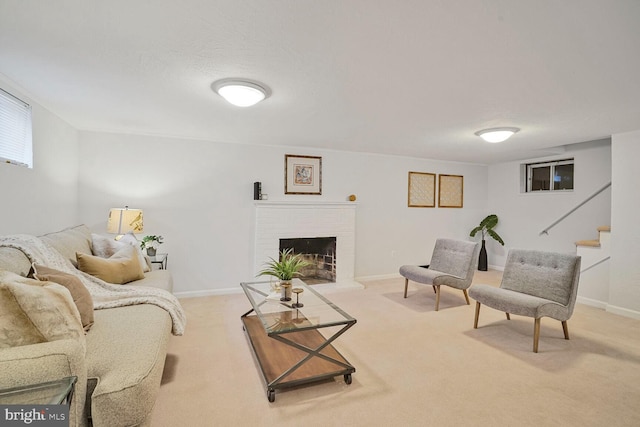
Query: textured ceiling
<point>414,78</point>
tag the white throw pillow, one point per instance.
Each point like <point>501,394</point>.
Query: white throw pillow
<point>105,247</point>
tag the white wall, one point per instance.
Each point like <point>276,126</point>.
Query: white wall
<point>524,216</point>
<point>624,288</point>
<point>44,198</point>
<point>199,196</point>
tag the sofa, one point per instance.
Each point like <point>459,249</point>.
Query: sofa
<point>120,361</point>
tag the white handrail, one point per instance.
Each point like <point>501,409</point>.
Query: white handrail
<point>546,230</point>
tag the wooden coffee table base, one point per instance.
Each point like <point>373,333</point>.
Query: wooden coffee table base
<point>291,359</point>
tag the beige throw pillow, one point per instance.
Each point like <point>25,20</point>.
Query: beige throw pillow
<point>122,267</point>
<point>80,294</point>
<point>32,312</point>
<point>105,247</point>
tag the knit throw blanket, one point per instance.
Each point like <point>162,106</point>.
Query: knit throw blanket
<point>105,295</point>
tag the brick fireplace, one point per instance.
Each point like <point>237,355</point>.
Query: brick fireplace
<point>276,220</point>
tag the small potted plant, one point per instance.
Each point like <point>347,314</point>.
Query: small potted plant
<point>285,269</point>
<point>486,227</point>
<point>151,244</point>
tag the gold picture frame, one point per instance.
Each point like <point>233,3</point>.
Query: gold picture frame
<point>450,191</point>
<point>422,190</point>
<point>302,174</point>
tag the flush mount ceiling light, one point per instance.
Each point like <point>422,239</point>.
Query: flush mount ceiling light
<point>241,92</point>
<point>496,134</point>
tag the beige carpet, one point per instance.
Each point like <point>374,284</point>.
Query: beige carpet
<point>415,367</point>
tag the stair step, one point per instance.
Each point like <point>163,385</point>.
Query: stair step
<point>592,243</point>
<point>604,228</point>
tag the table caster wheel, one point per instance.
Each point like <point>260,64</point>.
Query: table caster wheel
<point>271,395</point>
<point>347,378</point>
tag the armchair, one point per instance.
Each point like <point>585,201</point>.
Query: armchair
<point>452,264</point>
<point>534,284</point>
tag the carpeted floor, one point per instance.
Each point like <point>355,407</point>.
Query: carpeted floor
<point>415,367</point>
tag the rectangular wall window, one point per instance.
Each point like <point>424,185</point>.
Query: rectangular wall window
<point>549,176</point>
<point>15,130</point>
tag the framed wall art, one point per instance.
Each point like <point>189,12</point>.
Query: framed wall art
<point>302,174</point>
<point>422,190</point>
<point>450,191</point>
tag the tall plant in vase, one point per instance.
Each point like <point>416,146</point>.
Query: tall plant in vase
<point>486,227</point>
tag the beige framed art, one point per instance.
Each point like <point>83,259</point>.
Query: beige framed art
<point>450,191</point>
<point>302,174</point>
<point>422,190</point>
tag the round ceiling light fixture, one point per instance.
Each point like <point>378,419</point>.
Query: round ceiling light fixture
<point>241,92</point>
<point>496,134</point>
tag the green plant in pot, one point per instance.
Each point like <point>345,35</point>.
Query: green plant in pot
<point>285,269</point>
<point>151,244</point>
<point>487,228</point>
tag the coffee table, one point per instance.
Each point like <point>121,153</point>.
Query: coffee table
<point>286,341</point>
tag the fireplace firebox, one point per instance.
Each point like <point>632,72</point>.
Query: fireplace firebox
<point>320,253</point>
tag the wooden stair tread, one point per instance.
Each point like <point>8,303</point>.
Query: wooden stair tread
<point>604,228</point>
<point>592,243</point>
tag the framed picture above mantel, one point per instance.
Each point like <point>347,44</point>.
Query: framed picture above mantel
<point>302,174</point>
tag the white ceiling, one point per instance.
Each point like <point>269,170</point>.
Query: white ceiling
<point>406,77</point>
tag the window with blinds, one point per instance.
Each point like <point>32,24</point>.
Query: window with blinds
<point>15,131</point>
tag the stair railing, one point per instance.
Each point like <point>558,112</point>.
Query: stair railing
<point>559,220</point>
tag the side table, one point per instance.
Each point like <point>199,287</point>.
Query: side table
<point>160,259</point>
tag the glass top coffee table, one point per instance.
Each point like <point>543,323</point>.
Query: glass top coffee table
<point>286,340</point>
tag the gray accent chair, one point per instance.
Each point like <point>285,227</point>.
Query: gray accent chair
<point>534,284</point>
<point>452,264</point>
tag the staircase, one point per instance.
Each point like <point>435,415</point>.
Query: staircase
<point>594,276</point>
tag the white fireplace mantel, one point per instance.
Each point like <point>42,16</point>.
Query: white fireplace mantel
<point>275,220</point>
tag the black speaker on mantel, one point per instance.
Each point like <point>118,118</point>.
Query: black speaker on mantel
<point>257,191</point>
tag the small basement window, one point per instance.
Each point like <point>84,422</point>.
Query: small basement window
<point>15,131</point>
<point>556,175</point>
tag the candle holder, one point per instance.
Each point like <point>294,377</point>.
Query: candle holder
<point>297,291</point>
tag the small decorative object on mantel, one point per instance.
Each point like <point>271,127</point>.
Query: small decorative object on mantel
<point>352,198</point>
<point>486,227</point>
<point>302,174</point>
<point>151,244</point>
<point>285,270</point>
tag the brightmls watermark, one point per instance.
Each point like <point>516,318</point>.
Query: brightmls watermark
<point>34,415</point>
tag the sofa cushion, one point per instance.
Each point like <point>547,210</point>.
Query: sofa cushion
<point>70,241</point>
<point>81,296</point>
<point>125,363</point>
<point>122,267</point>
<point>32,312</point>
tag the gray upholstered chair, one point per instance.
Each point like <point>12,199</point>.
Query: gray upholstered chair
<point>534,284</point>
<point>452,264</point>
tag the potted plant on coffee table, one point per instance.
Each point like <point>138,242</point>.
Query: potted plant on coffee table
<point>151,244</point>
<point>285,269</point>
<point>486,227</point>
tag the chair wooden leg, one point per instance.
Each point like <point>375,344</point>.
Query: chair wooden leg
<point>434,289</point>
<point>536,334</point>
<point>475,321</point>
<point>406,284</point>
<point>466,296</point>
<point>508,316</point>
<point>565,329</point>
<point>437,297</point>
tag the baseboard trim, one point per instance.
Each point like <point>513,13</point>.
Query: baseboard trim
<point>623,311</point>
<point>591,302</point>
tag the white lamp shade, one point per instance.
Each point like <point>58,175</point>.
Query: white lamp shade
<point>124,220</point>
